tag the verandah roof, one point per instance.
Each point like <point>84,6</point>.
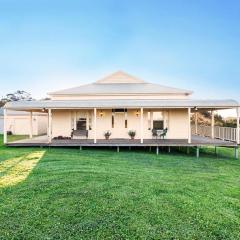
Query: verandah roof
<point>75,104</point>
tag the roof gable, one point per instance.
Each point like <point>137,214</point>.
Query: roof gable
<point>119,77</point>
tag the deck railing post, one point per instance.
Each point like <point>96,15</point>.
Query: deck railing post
<point>5,126</point>
<point>189,126</point>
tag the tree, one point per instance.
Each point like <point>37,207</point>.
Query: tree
<point>16,96</point>
<point>231,123</point>
<point>1,103</point>
<point>219,121</point>
<point>19,95</point>
<point>206,114</point>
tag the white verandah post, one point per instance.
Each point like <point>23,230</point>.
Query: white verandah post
<point>5,126</point>
<point>95,125</point>
<point>31,125</point>
<point>196,123</point>
<point>212,125</point>
<point>75,120</point>
<point>141,125</point>
<point>49,125</point>
<point>238,133</point>
<point>189,126</point>
<point>87,121</point>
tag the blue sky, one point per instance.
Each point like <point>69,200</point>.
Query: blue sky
<point>49,45</point>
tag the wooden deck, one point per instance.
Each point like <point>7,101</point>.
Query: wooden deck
<point>196,141</point>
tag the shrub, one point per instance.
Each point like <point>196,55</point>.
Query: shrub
<point>132,133</point>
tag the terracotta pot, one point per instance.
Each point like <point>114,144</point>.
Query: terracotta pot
<point>107,137</point>
<point>132,138</point>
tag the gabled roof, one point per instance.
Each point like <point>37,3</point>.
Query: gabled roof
<point>121,83</point>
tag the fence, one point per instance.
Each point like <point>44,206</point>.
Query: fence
<point>223,133</point>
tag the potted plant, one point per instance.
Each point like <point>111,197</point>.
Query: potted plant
<point>107,134</point>
<point>132,134</point>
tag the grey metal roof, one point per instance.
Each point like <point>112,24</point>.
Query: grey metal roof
<point>71,104</point>
<point>19,113</point>
<point>121,83</point>
<point>121,88</point>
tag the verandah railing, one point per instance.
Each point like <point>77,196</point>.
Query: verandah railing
<point>223,133</point>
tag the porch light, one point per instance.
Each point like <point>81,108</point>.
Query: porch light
<point>101,113</point>
<point>137,113</point>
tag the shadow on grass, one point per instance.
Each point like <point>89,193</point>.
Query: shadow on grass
<point>16,170</point>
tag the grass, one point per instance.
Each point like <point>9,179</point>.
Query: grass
<point>12,138</point>
<point>100,194</point>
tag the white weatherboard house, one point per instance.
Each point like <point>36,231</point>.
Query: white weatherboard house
<point>119,103</point>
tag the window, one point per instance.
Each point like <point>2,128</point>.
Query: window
<point>158,121</point>
<point>126,122</point>
<point>149,120</point>
<point>82,124</point>
<point>113,118</point>
<point>90,123</point>
<point>158,124</point>
<point>119,110</point>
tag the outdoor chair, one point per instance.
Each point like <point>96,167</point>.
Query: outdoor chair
<point>159,133</point>
<point>154,133</point>
<point>164,133</point>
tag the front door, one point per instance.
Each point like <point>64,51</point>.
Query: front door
<point>120,120</point>
<point>119,130</point>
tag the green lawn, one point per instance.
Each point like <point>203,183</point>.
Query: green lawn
<point>12,138</point>
<point>101,194</point>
